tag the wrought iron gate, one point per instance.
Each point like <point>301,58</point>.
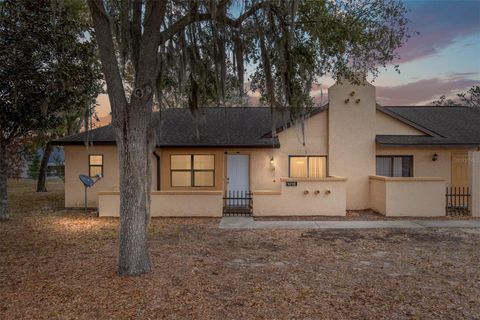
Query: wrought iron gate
<point>238,203</point>
<point>458,201</point>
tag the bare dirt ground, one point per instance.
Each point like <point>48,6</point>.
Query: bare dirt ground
<point>58,264</point>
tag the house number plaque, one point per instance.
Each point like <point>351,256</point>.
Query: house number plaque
<point>291,183</point>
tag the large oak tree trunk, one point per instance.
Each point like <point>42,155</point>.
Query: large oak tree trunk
<point>135,146</point>
<point>3,182</point>
<point>42,174</point>
<point>133,129</point>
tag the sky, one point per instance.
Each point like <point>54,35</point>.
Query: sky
<point>443,59</point>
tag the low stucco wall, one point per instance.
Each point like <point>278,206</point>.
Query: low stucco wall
<point>378,198</point>
<point>325,197</point>
<point>416,196</point>
<point>474,173</point>
<point>169,204</point>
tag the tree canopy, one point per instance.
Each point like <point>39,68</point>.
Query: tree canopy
<point>204,47</point>
<point>470,98</point>
<point>48,66</point>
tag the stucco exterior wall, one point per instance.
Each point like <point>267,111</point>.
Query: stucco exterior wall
<point>419,197</point>
<point>423,166</point>
<point>76,163</point>
<point>326,197</point>
<point>474,172</point>
<point>378,197</point>
<point>351,145</point>
<point>386,124</point>
<point>267,176</point>
<point>169,204</point>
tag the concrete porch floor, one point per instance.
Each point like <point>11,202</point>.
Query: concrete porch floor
<point>250,223</point>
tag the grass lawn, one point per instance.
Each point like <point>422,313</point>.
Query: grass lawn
<point>59,264</point>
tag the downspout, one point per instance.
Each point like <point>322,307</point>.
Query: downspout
<point>158,169</point>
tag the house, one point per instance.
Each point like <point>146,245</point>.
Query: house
<point>55,168</point>
<point>355,155</point>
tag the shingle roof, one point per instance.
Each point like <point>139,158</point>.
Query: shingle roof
<point>448,126</point>
<point>176,127</point>
<point>250,127</point>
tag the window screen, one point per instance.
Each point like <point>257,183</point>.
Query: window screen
<point>394,166</point>
<point>308,167</point>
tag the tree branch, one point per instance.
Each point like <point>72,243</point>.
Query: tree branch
<point>136,31</point>
<point>113,78</point>
<point>194,16</point>
<point>147,60</point>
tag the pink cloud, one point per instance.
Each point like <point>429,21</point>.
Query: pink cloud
<point>440,23</point>
<point>422,91</point>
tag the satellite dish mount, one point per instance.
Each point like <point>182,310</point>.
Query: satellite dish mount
<point>88,182</point>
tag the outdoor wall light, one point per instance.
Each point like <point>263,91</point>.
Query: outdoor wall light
<point>352,93</point>
<point>328,191</point>
<point>306,192</point>
<point>347,100</point>
<point>357,101</point>
<point>435,157</point>
<point>317,192</point>
<point>272,164</point>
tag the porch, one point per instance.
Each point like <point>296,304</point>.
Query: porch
<point>297,197</point>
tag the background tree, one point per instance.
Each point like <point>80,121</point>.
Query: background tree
<point>34,166</point>
<point>16,158</point>
<point>470,98</point>
<point>196,51</point>
<point>34,52</point>
<point>75,78</point>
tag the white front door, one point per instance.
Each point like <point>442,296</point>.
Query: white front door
<point>237,174</point>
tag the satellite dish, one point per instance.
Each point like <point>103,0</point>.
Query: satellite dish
<point>88,182</point>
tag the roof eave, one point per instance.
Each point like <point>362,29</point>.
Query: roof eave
<point>429,145</point>
<point>262,146</point>
<point>275,145</point>
<point>82,143</point>
<point>407,121</point>
<point>289,124</point>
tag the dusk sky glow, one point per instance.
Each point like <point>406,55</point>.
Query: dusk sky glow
<point>443,59</point>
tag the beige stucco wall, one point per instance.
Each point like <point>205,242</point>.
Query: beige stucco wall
<point>266,176</point>
<point>76,163</point>
<point>351,145</point>
<point>423,166</point>
<point>474,172</point>
<point>419,197</point>
<point>326,197</point>
<point>169,204</point>
<point>385,124</point>
<point>378,199</point>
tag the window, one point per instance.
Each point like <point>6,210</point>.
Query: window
<point>192,170</point>
<point>95,165</point>
<point>395,166</point>
<point>308,167</point>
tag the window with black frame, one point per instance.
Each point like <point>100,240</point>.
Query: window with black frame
<point>192,170</point>
<point>394,166</point>
<point>95,165</point>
